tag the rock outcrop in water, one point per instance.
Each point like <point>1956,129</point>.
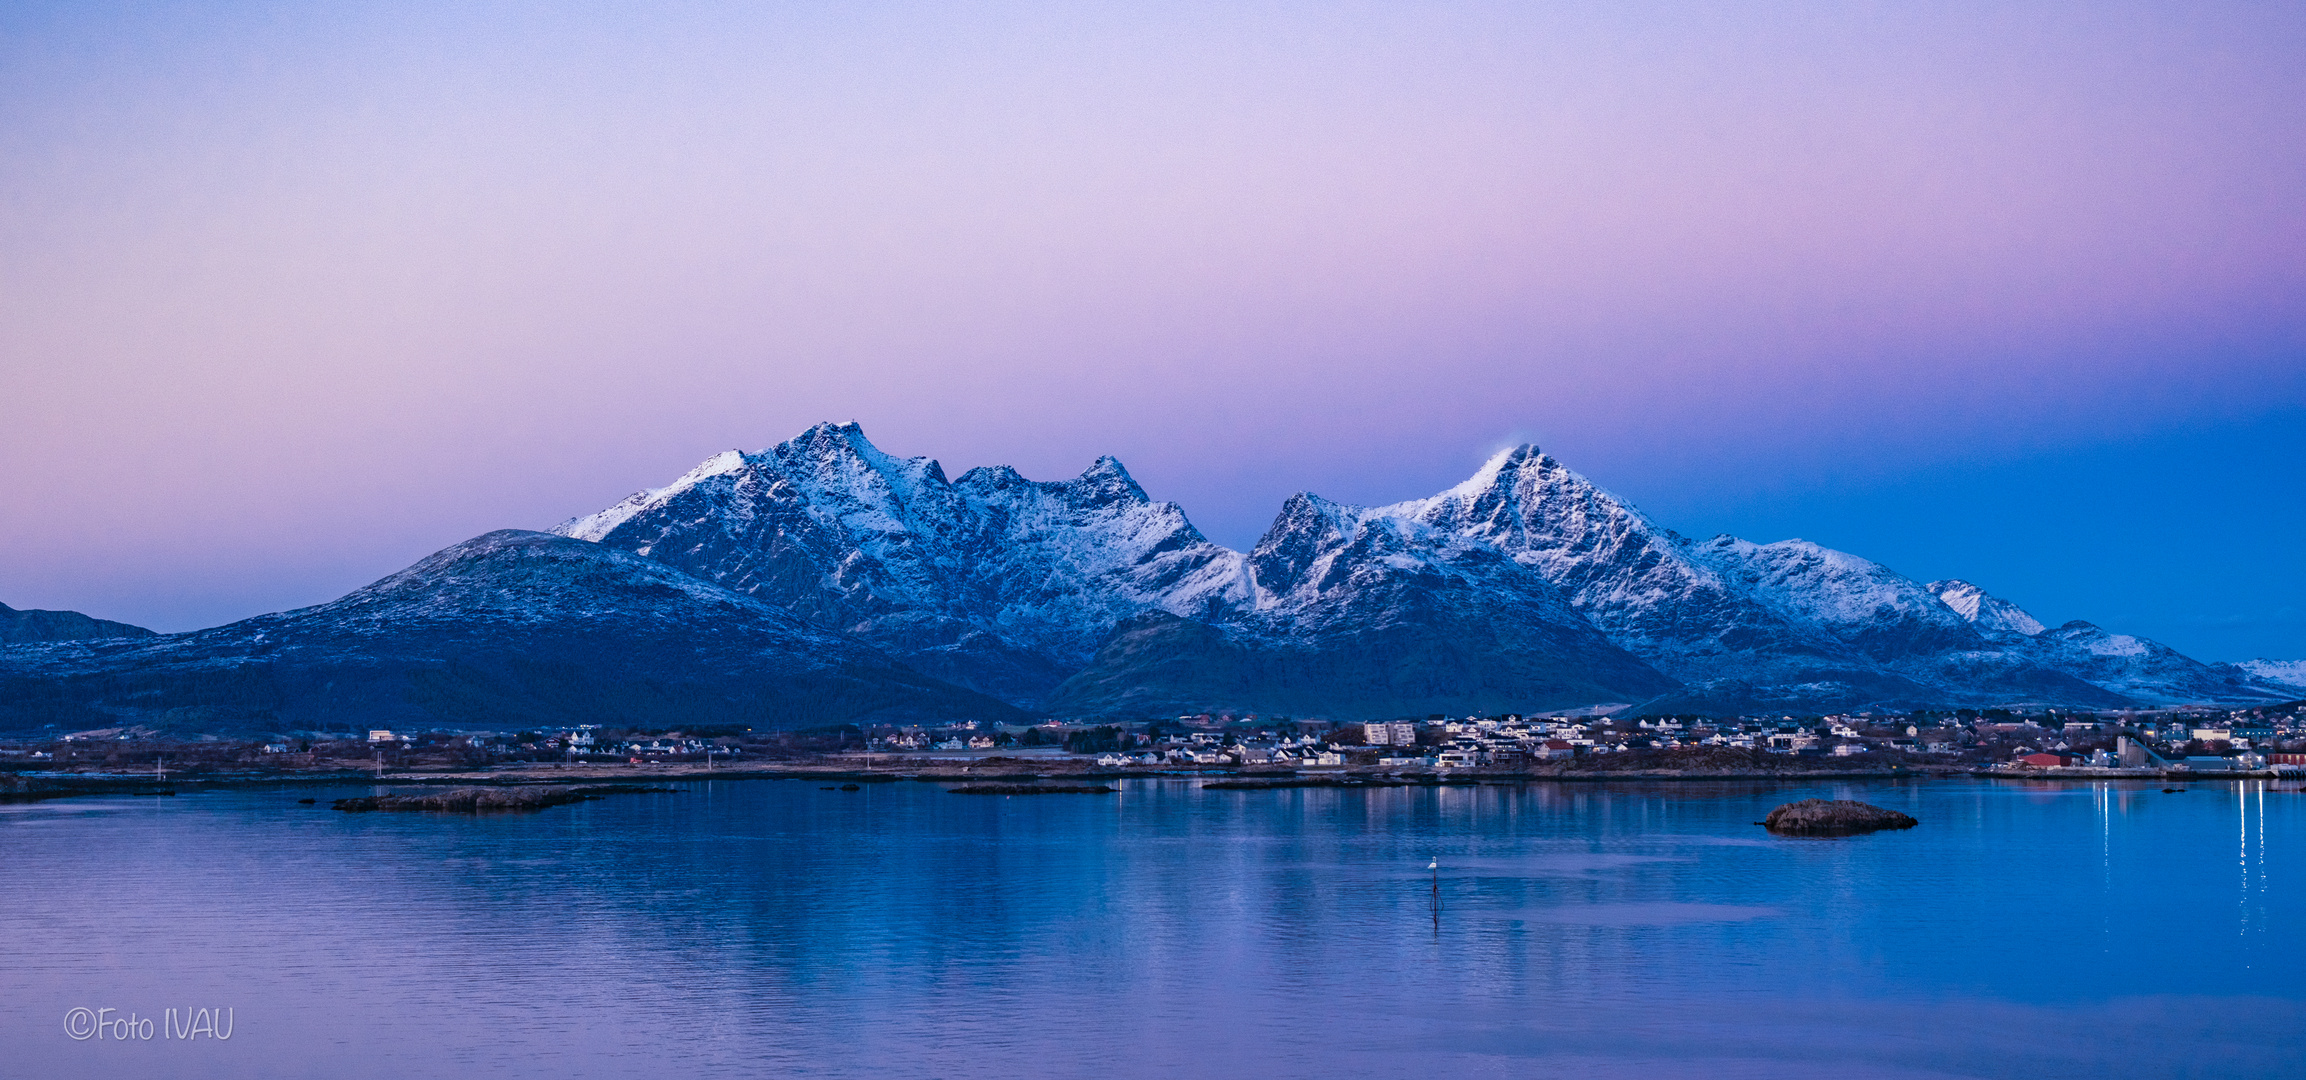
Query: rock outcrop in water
<point>1833,817</point>
<point>1033,789</point>
<point>473,800</point>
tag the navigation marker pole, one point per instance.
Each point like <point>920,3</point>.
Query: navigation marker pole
<point>1435,866</point>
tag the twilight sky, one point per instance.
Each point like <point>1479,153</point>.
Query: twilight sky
<point>294,294</point>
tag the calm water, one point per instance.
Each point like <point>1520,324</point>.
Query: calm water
<point>768,928</point>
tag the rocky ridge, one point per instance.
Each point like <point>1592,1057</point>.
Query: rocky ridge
<point>1526,584</point>
<point>18,626</point>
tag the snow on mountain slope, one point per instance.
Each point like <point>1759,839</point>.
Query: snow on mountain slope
<point>2286,673</point>
<point>1864,604</point>
<point>1724,611</point>
<point>2143,670</point>
<point>2147,672</point>
<point>1749,626</point>
<point>1992,615</point>
<point>1011,586</point>
<point>594,526</point>
<point>1357,615</point>
<point>999,581</point>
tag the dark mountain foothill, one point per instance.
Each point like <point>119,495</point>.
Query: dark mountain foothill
<point>509,629</point>
<point>20,626</point>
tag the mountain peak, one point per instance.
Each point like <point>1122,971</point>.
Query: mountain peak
<point>1107,476</point>
<point>829,439</point>
<point>1303,511</point>
<point>849,430</point>
<point>1501,471</point>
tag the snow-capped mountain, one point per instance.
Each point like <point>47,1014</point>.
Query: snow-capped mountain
<point>1723,608</point>
<point>1010,586</point>
<point>2285,674</point>
<point>1014,586</point>
<point>992,581</point>
<point>1748,627</point>
<point>511,628</point>
<point>1350,613</point>
<point>2144,671</point>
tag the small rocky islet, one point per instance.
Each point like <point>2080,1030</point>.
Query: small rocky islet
<point>1833,817</point>
<point>475,800</point>
<point>1032,789</point>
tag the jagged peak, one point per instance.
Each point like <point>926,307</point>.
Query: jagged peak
<point>1103,481</point>
<point>1519,487</point>
<point>1306,515</point>
<point>992,476</point>
<point>848,431</point>
<point>838,455</point>
<point>1306,503</point>
<point>1107,474</point>
<point>828,438</point>
<point>1498,471</point>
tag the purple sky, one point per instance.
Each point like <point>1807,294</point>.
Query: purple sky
<point>294,294</point>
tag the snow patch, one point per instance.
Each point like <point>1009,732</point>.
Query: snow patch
<point>2290,673</point>
<point>595,526</point>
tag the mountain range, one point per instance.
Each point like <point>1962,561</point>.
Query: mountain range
<point>822,580</point>
<point>511,629</point>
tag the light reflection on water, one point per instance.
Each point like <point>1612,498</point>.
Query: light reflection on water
<point>769,928</point>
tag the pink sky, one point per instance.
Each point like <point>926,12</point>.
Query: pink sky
<point>294,297</point>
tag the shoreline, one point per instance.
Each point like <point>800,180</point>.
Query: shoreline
<point>31,786</point>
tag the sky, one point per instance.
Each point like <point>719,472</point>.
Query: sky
<point>292,295</point>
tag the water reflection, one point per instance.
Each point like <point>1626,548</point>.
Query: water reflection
<point>738,928</point>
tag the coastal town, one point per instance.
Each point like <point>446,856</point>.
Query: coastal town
<point>2269,741</point>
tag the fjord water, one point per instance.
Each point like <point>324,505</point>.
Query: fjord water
<point>770,928</point>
